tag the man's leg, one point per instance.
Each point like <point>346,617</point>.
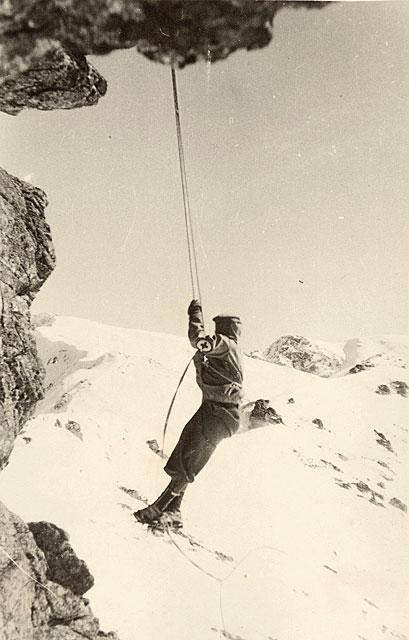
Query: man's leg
<point>193,449</point>
<point>196,445</point>
<point>198,441</point>
<point>189,456</point>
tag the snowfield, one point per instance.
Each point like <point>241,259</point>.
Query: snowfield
<point>293,531</point>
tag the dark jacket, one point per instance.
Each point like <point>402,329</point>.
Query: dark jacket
<point>219,371</point>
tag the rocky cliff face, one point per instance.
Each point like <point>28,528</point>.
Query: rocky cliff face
<point>43,44</point>
<point>41,579</point>
<point>54,609</point>
<point>26,260</point>
<point>35,601</point>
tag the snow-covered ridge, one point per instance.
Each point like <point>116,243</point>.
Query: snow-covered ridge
<point>327,359</point>
<point>301,523</point>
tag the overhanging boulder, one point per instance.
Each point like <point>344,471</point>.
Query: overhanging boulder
<point>43,43</point>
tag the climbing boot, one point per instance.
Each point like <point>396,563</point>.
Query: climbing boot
<point>152,513</point>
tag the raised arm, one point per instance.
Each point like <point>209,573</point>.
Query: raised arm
<point>196,325</point>
<point>215,345</point>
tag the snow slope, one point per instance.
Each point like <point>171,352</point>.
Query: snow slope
<point>297,532</point>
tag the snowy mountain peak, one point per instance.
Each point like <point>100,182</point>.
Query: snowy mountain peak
<point>321,358</point>
<point>327,359</point>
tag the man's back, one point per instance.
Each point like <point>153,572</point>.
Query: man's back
<point>218,362</point>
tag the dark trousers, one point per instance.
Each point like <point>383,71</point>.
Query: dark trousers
<point>212,423</point>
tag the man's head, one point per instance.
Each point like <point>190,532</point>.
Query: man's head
<point>227,325</point>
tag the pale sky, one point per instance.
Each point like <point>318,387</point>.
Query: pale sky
<point>297,159</point>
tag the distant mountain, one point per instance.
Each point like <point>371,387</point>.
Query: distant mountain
<point>327,359</point>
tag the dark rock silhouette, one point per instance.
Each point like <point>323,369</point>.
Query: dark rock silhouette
<point>63,565</point>
<point>44,44</point>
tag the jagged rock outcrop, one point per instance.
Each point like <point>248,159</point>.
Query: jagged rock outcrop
<point>258,413</point>
<point>32,606</point>
<point>56,79</point>
<point>26,260</point>
<point>263,413</point>
<point>168,31</point>
<point>302,354</point>
<point>63,565</point>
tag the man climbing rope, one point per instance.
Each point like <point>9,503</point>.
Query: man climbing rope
<point>219,375</point>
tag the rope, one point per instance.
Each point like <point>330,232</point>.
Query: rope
<point>27,574</point>
<point>173,402</point>
<point>220,581</point>
<point>195,564</point>
<point>191,245</point>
